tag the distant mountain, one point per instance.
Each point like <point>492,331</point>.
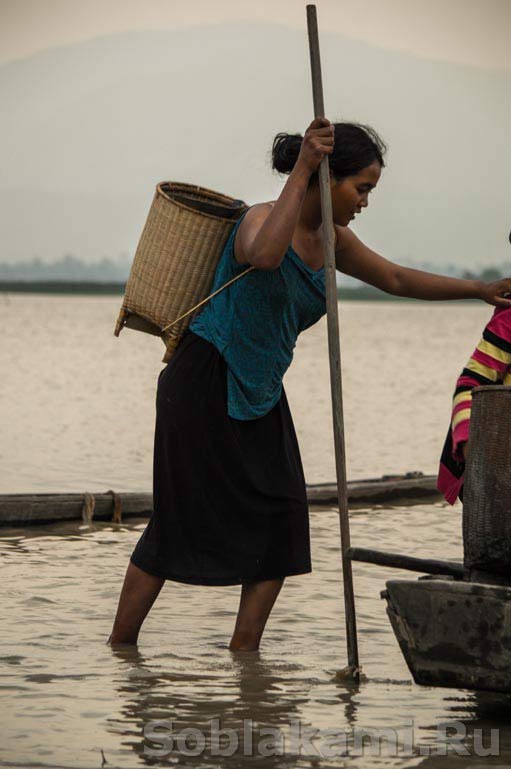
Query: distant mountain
<point>88,130</point>
<point>68,268</point>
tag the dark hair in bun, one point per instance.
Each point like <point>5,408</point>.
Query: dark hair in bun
<point>356,146</point>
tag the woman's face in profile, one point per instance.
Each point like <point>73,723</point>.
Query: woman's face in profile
<point>351,194</point>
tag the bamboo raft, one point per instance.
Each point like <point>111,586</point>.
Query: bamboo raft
<point>36,509</point>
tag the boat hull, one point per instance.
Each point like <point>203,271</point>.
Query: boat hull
<point>453,633</point>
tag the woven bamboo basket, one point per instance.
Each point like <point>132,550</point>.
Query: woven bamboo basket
<point>487,488</point>
<point>175,261</point>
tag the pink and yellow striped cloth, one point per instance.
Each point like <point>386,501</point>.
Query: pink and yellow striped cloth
<point>489,364</point>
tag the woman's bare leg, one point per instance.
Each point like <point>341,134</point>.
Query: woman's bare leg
<point>138,594</point>
<point>256,603</point>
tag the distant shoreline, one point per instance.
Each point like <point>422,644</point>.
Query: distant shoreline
<point>92,288</point>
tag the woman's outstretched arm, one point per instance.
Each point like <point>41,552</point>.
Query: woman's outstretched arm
<point>356,259</point>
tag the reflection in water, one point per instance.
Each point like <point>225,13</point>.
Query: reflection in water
<point>255,698</point>
<point>264,701</point>
<point>259,716</point>
<point>61,587</point>
<point>347,696</point>
<point>477,732</point>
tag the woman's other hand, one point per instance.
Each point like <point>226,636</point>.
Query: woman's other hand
<point>465,450</point>
<point>497,293</point>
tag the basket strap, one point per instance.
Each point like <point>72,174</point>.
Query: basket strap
<point>166,328</point>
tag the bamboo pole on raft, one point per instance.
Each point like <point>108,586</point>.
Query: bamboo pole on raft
<point>334,355</point>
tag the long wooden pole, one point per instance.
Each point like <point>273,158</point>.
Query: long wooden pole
<point>334,349</point>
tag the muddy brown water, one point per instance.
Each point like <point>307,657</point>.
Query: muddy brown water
<point>77,409</point>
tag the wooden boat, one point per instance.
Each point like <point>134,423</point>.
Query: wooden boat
<point>453,633</point>
<point>454,625</point>
<point>34,509</point>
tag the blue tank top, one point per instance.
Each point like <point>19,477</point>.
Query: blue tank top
<point>255,322</point>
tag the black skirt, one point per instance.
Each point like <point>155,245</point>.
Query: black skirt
<point>230,503</point>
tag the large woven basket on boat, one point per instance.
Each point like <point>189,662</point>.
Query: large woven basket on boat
<point>175,261</point>
<point>487,487</point>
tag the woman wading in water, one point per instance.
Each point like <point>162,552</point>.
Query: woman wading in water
<point>230,504</point>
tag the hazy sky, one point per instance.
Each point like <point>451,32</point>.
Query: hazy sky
<point>84,116</point>
<point>469,31</point>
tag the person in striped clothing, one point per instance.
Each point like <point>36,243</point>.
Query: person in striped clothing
<point>490,364</point>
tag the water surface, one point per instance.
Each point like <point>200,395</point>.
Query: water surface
<point>77,404</point>
<point>77,410</point>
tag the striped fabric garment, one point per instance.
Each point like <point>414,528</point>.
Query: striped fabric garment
<point>489,364</point>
